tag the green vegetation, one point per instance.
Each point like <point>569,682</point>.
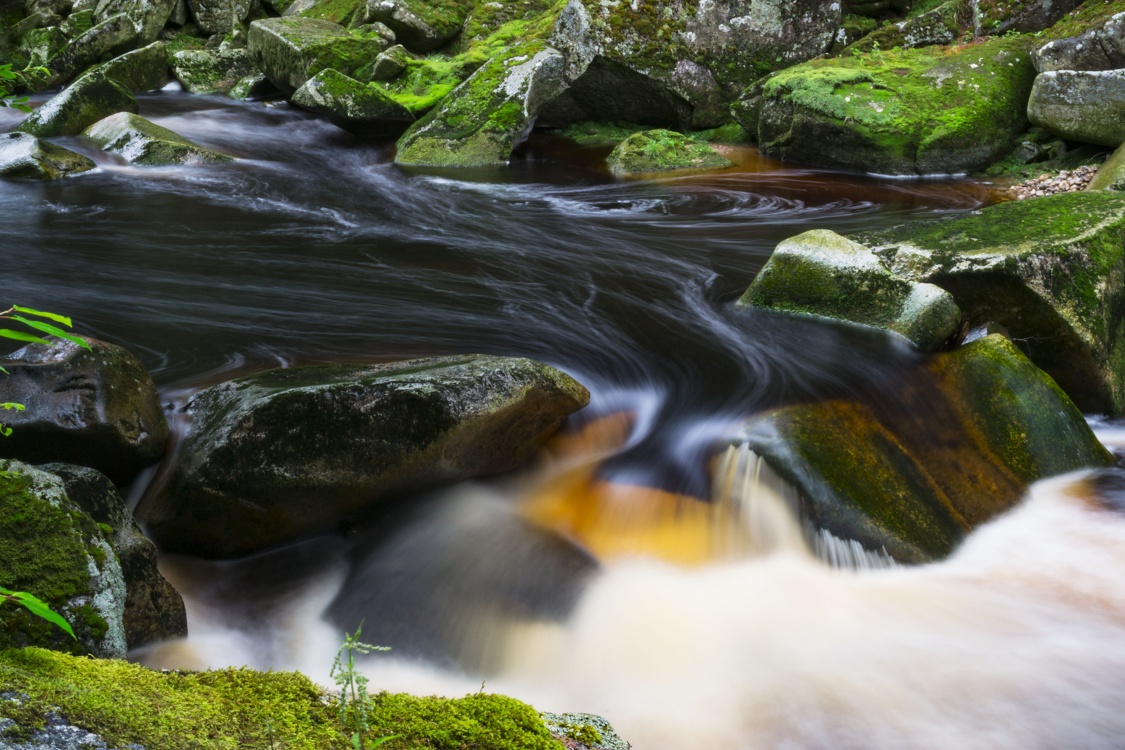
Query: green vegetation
<point>19,315</point>
<point>653,151</point>
<point>354,704</point>
<point>35,606</point>
<point>9,82</point>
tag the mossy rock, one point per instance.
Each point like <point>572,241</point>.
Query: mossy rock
<point>253,86</point>
<point>1022,16</point>
<point>913,474</point>
<point>1087,16</point>
<point>653,151</point>
<point>391,63</point>
<point>347,13</point>
<point>921,111</point>
<point>52,549</point>
<point>1051,270</point>
<point>91,98</point>
<point>421,25</point>
<point>1101,46</point>
<point>219,16</point>
<point>25,156</point>
<point>821,273</point>
<point>1078,105</point>
<point>149,17</point>
<point>359,108</point>
<point>112,36</point>
<point>212,71</point>
<point>292,50</point>
<point>482,121</point>
<point>942,25</point>
<point>144,69</point>
<point>1111,174</point>
<point>352,436</point>
<point>138,141</point>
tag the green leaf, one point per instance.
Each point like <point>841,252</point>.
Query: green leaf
<point>9,406</point>
<point>53,330</point>
<point>5,430</point>
<point>37,607</point>
<point>3,370</point>
<point>40,314</point>
<point>384,740</point>
<point>8,333</point>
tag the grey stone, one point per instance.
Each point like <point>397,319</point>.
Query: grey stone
<point>419,26</point>
<point>1087,106</point>
<point>1099,48</point>
<point>202,71</point>
<point>23,155</point>
<point>112,35</point>
<point>138,141</point>
<point>144,69</point>
<point>219,16</point>
<point>148,16</point>
<point>78,106</point>
<point>292,50</point>
<point>390,64</point>
<point>363,109</point>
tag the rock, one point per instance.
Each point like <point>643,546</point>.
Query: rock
<point>23,155</point>
<point>56,552</point>
<point>203,71</point>
<point>284,454</point>
<point>89,99</point>
<point>349,13</point>
<point>219,16</point>
<point>706,53</point>
<point>920,111</point>
<point>138,141</point>
<point>915,473</point>
<point>1087,106</point>
<point>1047,269</point>
<point>1023,16</point>
<point>1101,47</point>
<point>253,86</point>
<point>942,25</point>
<point>79,22</point>
<point>153,609</point>
<point>39,46</point>
<point>94,408</point>
<point>144,69</point>
<point>114,35</point>
<point>292,50</point>
<point>390,63</point>
<point>821,273</point>
<point>482,120</point>
<point>148,16</point>
<point>359,108</point>
<point>589,730</point>
<point>420,26</point>
<point>1111,175</point>
<point>663,151</point>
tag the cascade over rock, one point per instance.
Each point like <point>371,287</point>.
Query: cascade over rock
<point>283,454</point>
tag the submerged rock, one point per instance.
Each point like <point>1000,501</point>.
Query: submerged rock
<point>23,155</point>
<point>93,407</point>
<point>1049,270</point>
<point>292,50</point>
<point>89,99</point>
<point>914,473</point>
<point>153,609</point>
<point>283,454</point>
<point>359,108</point>
<point>483,120</point>
<point>821,273</point>
<point>1086,106</point>
<point>920,111</point>
<point>139,141</point>
<point>663,151</point>
<point>56,552</point>
<point>203,71</point>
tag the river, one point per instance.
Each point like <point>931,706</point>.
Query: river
<point>314,247</point>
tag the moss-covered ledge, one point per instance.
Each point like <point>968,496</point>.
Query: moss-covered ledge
<point>231,709</point>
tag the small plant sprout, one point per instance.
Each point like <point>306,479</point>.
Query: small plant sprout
<point>36,607</point>
<point>354,701</point>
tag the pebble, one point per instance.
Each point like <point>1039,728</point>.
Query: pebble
<point>1063,182</point>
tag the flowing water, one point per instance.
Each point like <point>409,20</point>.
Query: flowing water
<point>639,569</point>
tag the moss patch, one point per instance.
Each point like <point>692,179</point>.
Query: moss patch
<point>653,151</point>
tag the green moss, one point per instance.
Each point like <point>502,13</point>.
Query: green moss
<point>653,151</point>
<point>1091,13</point>
<point>343,12</point>
<point>601,133</point>
<point>232,709</point>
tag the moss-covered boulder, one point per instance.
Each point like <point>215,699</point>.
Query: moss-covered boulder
<point>153,609</point>
<point>148,16</point>
<point>219,16</point>
<point>52,549</point>
<point>1023,16</point>
<point>652,151</point>
<point>421,26</point>
<point>1099,47</point>
<point>915,473</point>
<point>920,111</point>
<point>138,141</point>
<point>292,50</point>
<point>1111,174</point>
<point>23,155</point>
<point>821,273</point>
<point>359,108</point>
<point>941,25</point>
<point>253,86</point>
<point>390,63</point>
<point>282,454</point>
<point>1051,270</point>
<point>482,121</point>
<point>1081,105</point>
<point>93,407</point>
<point>113,35</point>
<point>144,69</point>
<point>204,71</point>
<point>89,99</point>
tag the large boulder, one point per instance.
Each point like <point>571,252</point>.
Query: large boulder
<point>651,151</point>
<point>204,71</point>
<point>148,16</point>
<point>1101,47</point>
<point>56,552</point>
<point>138,141</point>
<point>153,609</point>
<point>1051,270</point>
<point>821,273</point>
<point>23,155</point>
<point>704,53</point>
<point>1081,105</point>
<point>902,112</point>
<point>283,454</point>
<point>93,407</point>
<point>421,26</point>
<point>89,99</point>
<point>941,25</point>
<point>292,50</point>
<point>915,473</point>
<point>114,35</point>
<point>360,108</point>
<point>144,69</point>
<point>482,121</point>
<point>219,16</point>
<point>1022,16</point>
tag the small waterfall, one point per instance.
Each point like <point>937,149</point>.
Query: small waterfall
<point>977,17</point>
